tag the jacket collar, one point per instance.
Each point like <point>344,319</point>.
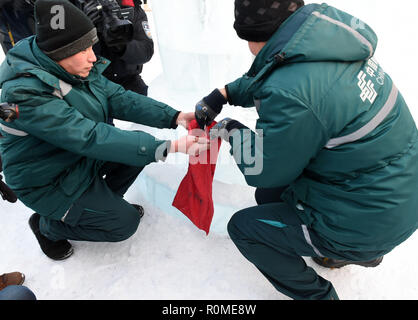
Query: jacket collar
<point>270,54</point>
<point>56,70</point>
<point>314,33</point>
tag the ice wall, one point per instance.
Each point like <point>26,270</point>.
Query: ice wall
<point>198,45</point>
<point>199,51</point>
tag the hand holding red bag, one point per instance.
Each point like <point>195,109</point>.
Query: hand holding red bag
<point>194,195</point>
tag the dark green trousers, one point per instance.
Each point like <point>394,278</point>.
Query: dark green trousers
<point>100,214</point>
<point>274,239</point>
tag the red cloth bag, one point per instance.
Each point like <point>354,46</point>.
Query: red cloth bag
<point>194,195</point>
<point>128,3</point>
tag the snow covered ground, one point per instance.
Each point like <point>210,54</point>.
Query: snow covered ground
<point>168,258</point>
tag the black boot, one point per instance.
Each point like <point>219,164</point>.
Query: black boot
<point>336,264</point>
<point>56,250</point>
<point>140,210</point>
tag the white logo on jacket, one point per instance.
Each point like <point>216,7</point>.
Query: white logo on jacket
<point>367,88</point>
<point>375,72</point>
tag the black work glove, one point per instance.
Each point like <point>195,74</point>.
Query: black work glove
<point>224,128</point>
<point>209,107</point>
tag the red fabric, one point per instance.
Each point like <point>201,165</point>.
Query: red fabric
<point>128,3</point>
<point>194,195</point>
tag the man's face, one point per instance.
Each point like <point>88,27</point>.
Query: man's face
<point>79,64</point>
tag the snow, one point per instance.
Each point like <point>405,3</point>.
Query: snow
<point>169,258</point>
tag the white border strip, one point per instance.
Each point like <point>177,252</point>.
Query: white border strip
<point>357,34</point>
<point>369,127</point>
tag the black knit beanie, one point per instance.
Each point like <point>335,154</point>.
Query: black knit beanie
<point>62,29</point>
<point>258,20</point>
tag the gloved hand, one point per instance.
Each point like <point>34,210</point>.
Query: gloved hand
<point>224,128</point>
<point>209,107</point>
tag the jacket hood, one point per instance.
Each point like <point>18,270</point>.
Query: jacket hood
<point>317,33</point>
<point>25,58</point>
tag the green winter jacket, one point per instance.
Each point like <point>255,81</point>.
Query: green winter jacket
<point>334,128</point>
<point>54,150</point>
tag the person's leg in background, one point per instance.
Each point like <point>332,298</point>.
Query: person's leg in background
<point>273,238</point>
<point>17,293</point>
<point>119,177</point>
<point>135,84</point>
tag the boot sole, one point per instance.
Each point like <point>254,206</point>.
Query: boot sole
<point>66,256</point>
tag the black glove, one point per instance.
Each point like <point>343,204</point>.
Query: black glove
<point>224,128</point>
<point>208,109</point>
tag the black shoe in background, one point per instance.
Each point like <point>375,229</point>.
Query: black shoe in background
<point>56,250</point>
<point>336,264</point>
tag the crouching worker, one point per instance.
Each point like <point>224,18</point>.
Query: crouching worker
<point>60,157</point>
<point>336,148</point>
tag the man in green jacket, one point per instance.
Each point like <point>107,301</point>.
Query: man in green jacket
<point>335,153</point>
<point>60,156</point>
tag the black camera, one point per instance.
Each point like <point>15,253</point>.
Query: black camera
<point>113,23</point>
<point>9,112</point>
